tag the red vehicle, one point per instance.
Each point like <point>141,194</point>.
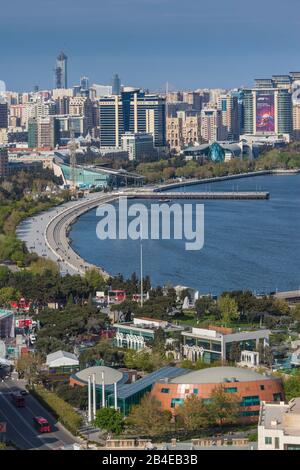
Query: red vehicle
<point>18,400</point>
<point>41,424</point>
<point>116,296</point>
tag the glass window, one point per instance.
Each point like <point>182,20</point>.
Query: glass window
<point>165,390</point>
<point>231,389</point>
<point>276,396</point>
<point>262,387</point>
<point>196,391</point>
<point>249,413</point>
<point>250,401</point>
<point>268,440</point>
<point>176,402</point>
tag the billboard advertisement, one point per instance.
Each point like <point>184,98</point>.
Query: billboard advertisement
<point>265,112</point>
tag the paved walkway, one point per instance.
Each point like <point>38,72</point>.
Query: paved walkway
<point>33,231</point>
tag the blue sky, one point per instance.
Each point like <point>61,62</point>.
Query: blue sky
<point>189,43</point>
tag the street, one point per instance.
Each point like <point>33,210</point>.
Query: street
<point>20,430</point>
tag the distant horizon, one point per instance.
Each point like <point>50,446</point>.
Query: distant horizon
<point>190,44</point>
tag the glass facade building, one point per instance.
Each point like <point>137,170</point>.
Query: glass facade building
<point>267,111</point>
<point>132,111</point>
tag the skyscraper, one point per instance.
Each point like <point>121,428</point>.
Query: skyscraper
<point>84,83</point>
<point>116,85</point>
<point>3,162</point>
<point>132,111</point>
<point>268,111</point>
<point>61,78</point>
<point>3,115</point>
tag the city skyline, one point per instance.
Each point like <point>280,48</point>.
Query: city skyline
<point>189,45</point>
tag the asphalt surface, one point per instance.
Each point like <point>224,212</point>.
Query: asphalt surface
<point>46,233</point>
<point>19,427</point>
<point>33,230</point>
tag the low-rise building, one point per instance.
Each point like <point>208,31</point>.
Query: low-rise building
<point>62,360</point>
<point>279,425</point>
<point>215,343</point>
<point>140,333</point>
<point>246,384</point>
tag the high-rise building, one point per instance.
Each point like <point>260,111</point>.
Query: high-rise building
<point>46,132</point>
<point>32,133</point>
<point>101,90</point>
<point>138,145</point>
<point>132,111</point>
<point>228,105</point>
<point>84,83</point>
<point>212,128</point>
<point>3,163</point>
<point>3,115</point>
<point>61,76</point>
<point>267,111</point>
<point>116,85</point>
<point>182,130</point>
<point>81,106</point>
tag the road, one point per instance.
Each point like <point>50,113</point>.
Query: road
<point>32,231</point>
<point>19,421</point>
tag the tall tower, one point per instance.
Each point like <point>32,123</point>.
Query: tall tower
<point>116,85</point>
<point>61,76</point>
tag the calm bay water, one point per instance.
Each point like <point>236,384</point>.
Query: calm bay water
<point>248,244</point>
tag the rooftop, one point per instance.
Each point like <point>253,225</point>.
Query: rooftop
<point>282,416</point>
<point>59,355</point>
<point>110,375</point>
<point>125,391</point>
<point>220,375</point>
<point>4,313</point>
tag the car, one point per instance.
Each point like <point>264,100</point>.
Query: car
<point>24,392</point>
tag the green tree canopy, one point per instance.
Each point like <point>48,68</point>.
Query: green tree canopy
<point>109,419</point>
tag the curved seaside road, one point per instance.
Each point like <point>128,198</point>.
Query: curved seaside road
<point>46,233</point>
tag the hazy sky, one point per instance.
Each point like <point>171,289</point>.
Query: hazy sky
<point>189,43</point>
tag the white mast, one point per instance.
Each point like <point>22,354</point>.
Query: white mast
<point>94,396</point>
<point>141,241</point>
<point>89,400</point>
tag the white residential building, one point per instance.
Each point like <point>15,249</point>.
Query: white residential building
<point>279,425</point>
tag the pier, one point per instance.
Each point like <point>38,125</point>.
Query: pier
<point>240,195</point>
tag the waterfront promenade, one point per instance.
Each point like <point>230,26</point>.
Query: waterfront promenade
<point>47,233</point>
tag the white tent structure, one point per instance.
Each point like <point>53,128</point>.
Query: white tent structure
<point>61,359</point>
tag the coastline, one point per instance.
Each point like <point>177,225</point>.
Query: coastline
<point>56,223</point>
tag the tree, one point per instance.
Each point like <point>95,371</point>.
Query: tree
<point>205,306</point>
<point>292,386</point>
<point>8,294</point>
<point>148,418</point>
<point>235,352</point>
<point>228,308</point>
<point>43,266</point>
<point>94,279</point>
<point>109,419</point>
<point>159,341</point>
<point>192,414</point>
<point>29,366</point>
<point>223,407</point>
